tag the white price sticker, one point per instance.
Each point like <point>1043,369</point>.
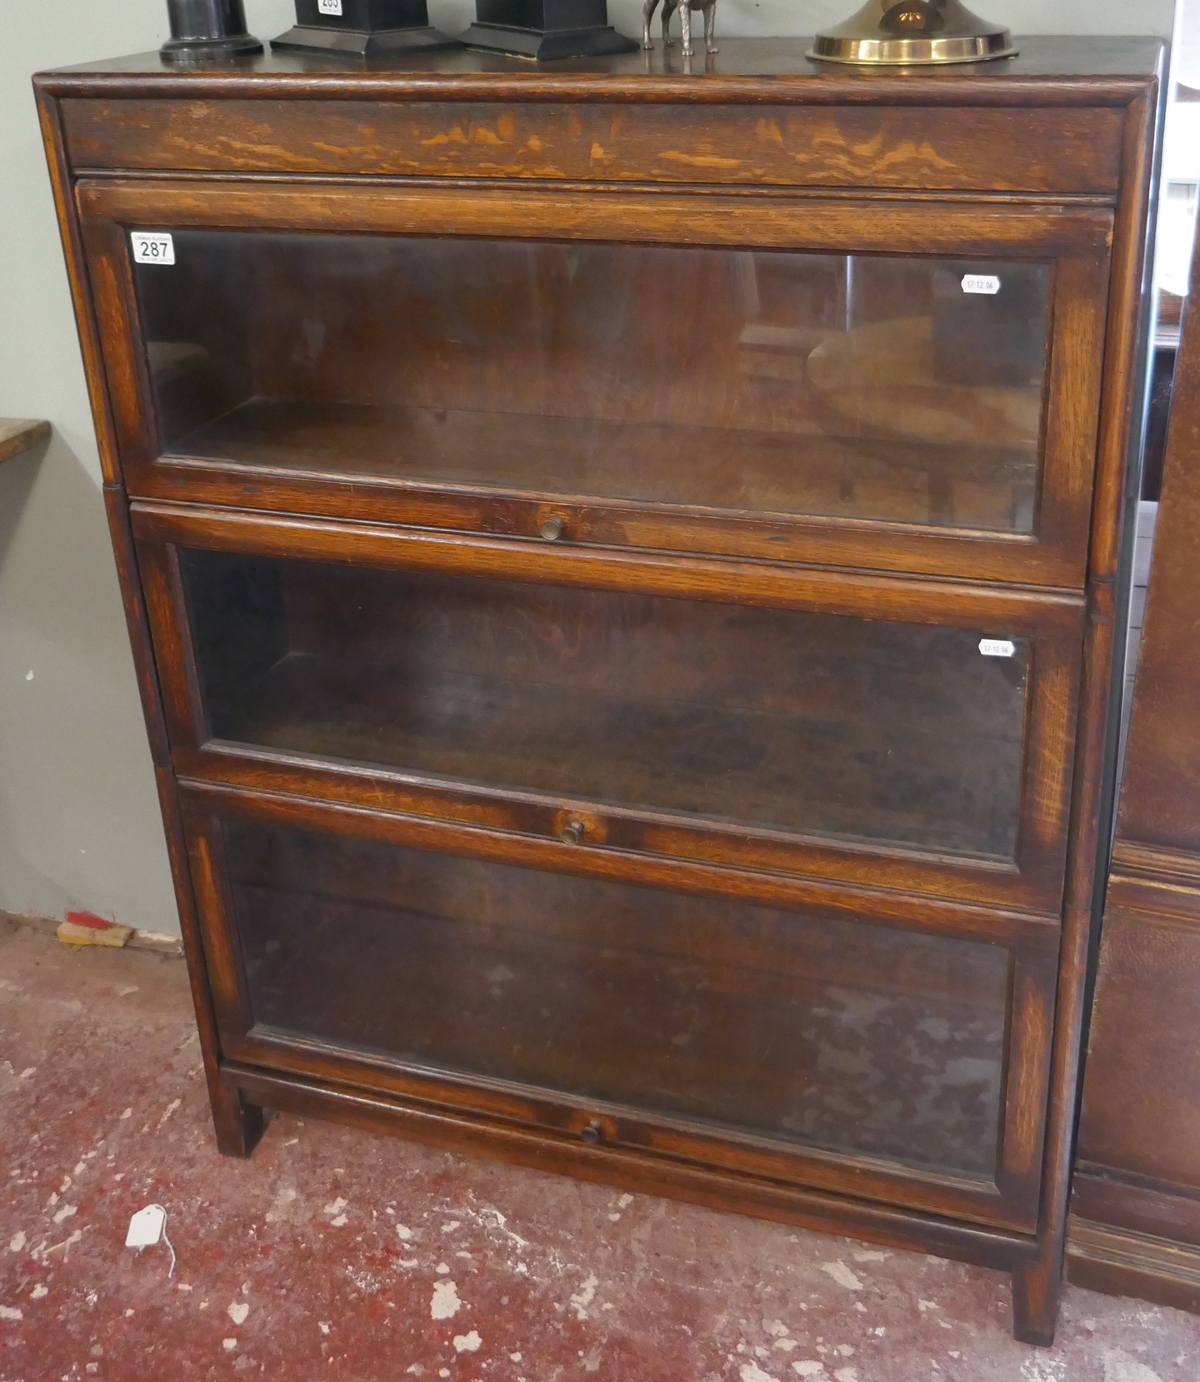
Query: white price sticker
<point>997,647</point>
<point>330,7</point>
<point>986,284</point>
<point>152,247</point>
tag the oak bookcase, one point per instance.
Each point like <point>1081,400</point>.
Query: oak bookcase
<point>622,562</point>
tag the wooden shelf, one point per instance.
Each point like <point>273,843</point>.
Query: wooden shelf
<point>952,782</point>
<point>793,470</point>
<point>18,435</point>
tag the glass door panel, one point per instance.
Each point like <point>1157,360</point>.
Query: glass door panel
<point>831,1034</point>
<point>815,724</point>
<point>905,390</point>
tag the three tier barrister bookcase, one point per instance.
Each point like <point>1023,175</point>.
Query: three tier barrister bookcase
<point>622,567</point>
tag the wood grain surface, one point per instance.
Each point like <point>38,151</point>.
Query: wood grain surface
<point>764,146</point>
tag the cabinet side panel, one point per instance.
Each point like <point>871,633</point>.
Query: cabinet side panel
<point>238,1124</point>
<point>1141,1109</point>
<point>1162,776</point>
<point>50,116</point>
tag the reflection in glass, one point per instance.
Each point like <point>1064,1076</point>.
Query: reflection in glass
<point>778,382</point>
<point>828,1033</point>
<point>814,723</point>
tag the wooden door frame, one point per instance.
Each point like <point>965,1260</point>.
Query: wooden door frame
<point>1074,240</point>
<point>1008,1202</point>
<point>1053,623</point>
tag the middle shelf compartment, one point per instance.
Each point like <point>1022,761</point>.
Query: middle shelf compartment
<point>912,734</point>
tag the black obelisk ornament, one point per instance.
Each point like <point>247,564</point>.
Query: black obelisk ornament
<point>362,28</point>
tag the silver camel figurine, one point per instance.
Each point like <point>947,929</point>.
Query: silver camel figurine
<point>709,8</point>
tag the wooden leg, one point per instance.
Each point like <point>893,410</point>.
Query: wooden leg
<point>1036,1289</point>
<point>239,1124</point>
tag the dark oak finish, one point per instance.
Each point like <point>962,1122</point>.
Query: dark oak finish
<point>1122,1262</point>
<point>1135,1226</point>
<point>443,1125</point>
<point>599,572</point>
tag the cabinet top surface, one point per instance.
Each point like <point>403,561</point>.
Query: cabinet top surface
<point>1071,69</point>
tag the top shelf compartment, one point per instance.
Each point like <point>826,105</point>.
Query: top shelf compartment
<point>775,383</point>
<point>932,412</point>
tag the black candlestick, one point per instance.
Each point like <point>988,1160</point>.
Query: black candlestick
<point>207,30</point>
<point>362,28</point>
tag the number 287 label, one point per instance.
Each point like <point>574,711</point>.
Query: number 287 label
<point>152,247</point>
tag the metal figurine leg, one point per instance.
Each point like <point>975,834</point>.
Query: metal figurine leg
<point>710,26</point>
<point>668,11</point>
<point>647,15</point>
<point>685,21</point>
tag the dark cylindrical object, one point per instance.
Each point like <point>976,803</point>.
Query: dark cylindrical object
<point>207,29</point>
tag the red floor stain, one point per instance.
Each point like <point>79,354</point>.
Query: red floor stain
<point>336,1255</point>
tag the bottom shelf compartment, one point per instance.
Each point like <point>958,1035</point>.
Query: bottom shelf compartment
<point>823,1033</point>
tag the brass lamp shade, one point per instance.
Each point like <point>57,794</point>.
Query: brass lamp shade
<point>904,33</point>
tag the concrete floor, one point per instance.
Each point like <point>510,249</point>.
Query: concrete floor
<point>336,1255</point>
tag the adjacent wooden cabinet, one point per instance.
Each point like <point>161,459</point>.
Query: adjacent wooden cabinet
<point>1135,1224</point>
<point>622,566</point>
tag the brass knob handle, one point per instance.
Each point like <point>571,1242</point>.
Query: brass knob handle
<point>551,529</point>
<point>593,1133</point>
<point>572,834</point>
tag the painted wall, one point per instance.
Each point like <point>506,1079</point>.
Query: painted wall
<point>79,824</point>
